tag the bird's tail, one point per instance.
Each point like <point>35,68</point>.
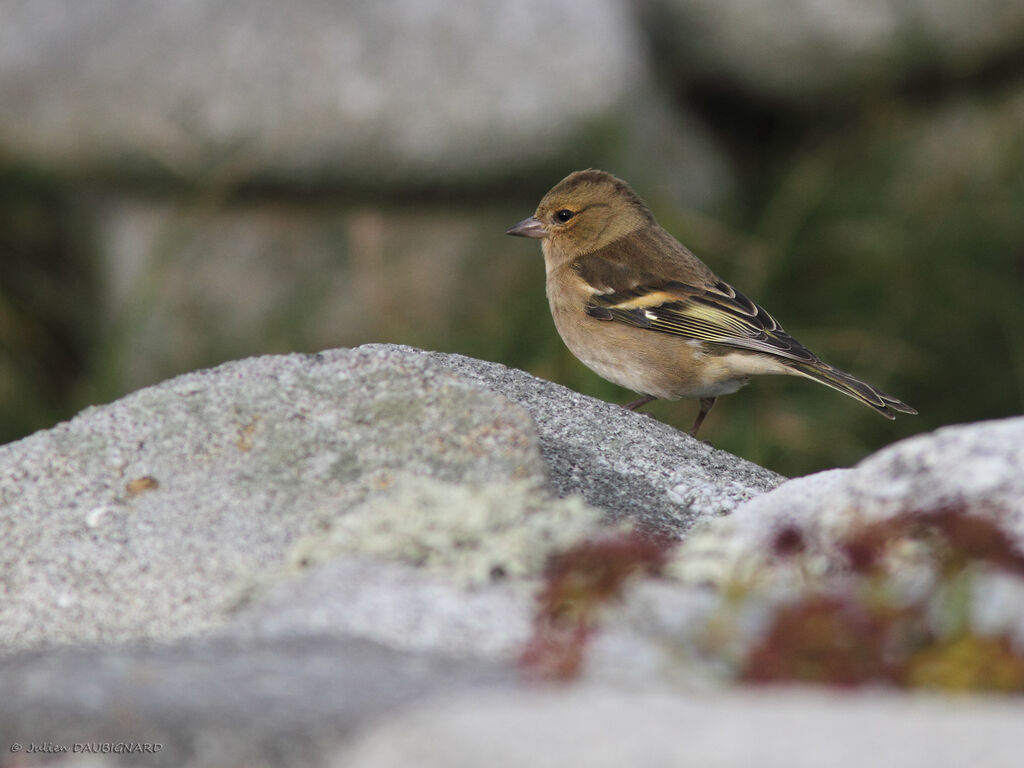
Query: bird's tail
<point>841,381</point>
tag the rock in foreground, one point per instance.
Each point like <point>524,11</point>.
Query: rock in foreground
<point>319,559</point>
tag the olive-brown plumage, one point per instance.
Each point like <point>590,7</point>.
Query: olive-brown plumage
<point>634,305</point>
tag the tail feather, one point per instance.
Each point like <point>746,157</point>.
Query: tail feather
<point>841,381</point>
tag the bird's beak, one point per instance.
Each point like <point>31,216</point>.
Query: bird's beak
<point>531,227</point>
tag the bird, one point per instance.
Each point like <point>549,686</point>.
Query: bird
<point>638,308</point>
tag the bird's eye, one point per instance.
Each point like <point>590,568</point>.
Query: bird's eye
<point>564,215</point>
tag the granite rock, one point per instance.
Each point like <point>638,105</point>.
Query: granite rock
<point>331,560</point>
<point>140,519</point>
<point>316,91</point>
<point>970,471</point>
<point>255,702</point>
<point>626,463</point>
<point>155,517</point>
<point>807,49</point>
<point>975,467</point>
<point>600,727</point>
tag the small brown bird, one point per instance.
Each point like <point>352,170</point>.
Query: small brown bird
<point>635,306</point>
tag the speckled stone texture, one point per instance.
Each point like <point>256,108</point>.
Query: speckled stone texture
<point>246,458</point>
<point>300,543</point>
<point>333,560</point>
<point>143,518</point>
<point>623,462</point>
<point>977,466</point>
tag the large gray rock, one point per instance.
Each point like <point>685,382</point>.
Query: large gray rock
<point>287,701</point>
<point>415,92</point>
<point>628,466</point>
<point>157,516</point>
<point>610,728</point>
<point>314,545</point>
<point>806,48</point>
<point>971,472</point>
<point>729,579</point>
<point>375,90</point>
<point>978,468</point>
<point>260,523</point>
<point>139,518</point>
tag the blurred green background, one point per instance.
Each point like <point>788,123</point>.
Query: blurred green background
<point>872,201</point>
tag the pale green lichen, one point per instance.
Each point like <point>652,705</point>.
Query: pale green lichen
<point>473,534</point>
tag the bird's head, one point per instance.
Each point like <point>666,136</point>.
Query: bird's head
<point>584,212</point>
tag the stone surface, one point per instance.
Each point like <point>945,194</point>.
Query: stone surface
<point>975,469</point>
<point>807,48</point>
<point>626,463</point>
<point>979,466</point>
<point>316,89</point>
<point>473,534</point>
<point>279,702</point>
<point>394,604</point>
<point>243,460</point>
<point>262,523</point>
<point>728,580</point>
<point>421,565</point>
<point>774,728</point>
<point>315,560</point>
<point>332,560</point>
<point>157,515</point>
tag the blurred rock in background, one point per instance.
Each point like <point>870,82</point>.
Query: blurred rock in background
<point>806,50</point>
<point>187,183</point>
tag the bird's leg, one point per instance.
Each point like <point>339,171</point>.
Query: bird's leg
<point>632,406</point>
<point>705,406</point>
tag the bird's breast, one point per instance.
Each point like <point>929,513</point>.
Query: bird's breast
<point>652,363</point>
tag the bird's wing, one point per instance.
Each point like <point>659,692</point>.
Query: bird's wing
<point>697,305</point>
<point>718,314</point>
